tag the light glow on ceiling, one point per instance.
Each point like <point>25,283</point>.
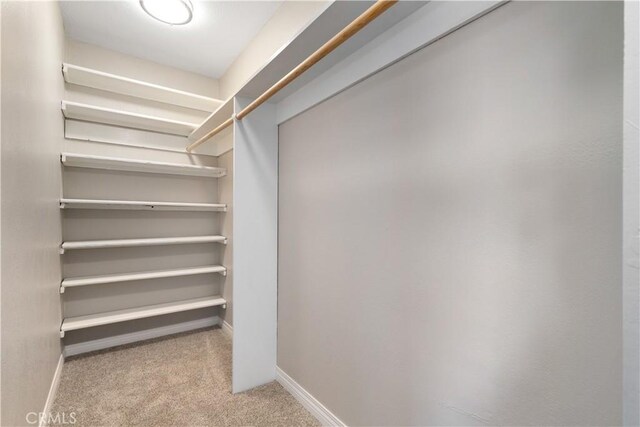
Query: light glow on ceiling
<point>172,12</point>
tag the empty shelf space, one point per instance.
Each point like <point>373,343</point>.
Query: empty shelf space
<point>214,120</point>
<point>82,322</point>
<point>140,205</point>
<point>92,113</point>
<point>158,241</point>
<point>143,275</point>
<point>129,165</point>
<point>123,85</point>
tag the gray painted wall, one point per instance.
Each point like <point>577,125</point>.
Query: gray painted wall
<point>31,139</point>
<point>450,229</point>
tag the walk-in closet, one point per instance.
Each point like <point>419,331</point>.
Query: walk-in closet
<point>319,212</point>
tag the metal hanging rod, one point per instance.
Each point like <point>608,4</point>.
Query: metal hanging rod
<point>356,25</point>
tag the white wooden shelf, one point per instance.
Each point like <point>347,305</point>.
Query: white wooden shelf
<point>143,275</point>
<point>158,241</point>
<point>216,118</point>
<point>123,85</point>
<point>82,322</point>
<point>140,205</point>
<point>120,164</point>
<point>92,113</point>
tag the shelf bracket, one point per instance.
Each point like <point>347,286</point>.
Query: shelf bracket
<point>61,333</point>
<point>224,306</point>
<point>62,289</point>
<point>61,250</point>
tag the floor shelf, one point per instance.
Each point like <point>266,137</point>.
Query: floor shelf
<point>82,322</point>
<point>110,116</point>
<point>140,205</point>
<point>118,84</point>
<point>120,164</point>
<point>156,241</point>
<point>142,275</point>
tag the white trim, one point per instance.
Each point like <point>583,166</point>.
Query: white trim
<point>53,390</point>
<point>313,405</point>
<point>227,328</point>
<point>100,344</point>
<point>428,24</point>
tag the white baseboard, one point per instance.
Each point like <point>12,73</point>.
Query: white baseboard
<point>227,328</point>
<point>53,389</point>
<point>317,409</point>
<point>100,344</point>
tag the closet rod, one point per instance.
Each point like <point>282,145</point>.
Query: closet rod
<point>356,25</point>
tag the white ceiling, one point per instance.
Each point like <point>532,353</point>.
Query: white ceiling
<point>218,33</point>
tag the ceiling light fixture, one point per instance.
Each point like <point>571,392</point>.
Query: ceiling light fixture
<point>172,12</point>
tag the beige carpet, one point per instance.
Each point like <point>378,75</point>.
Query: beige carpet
<point>181,380</point>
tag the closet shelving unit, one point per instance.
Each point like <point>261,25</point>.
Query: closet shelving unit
<point>111,116</point>
<point>128,243</point>
<point>130,165</point>
<point>81,322</point>
<point>143,275</point>
<point>83,76</point>
<point>254,140</point>
<point>140,205</point>
<point>220,115</point>
<point>77,111</point>
<point>223,140</point>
